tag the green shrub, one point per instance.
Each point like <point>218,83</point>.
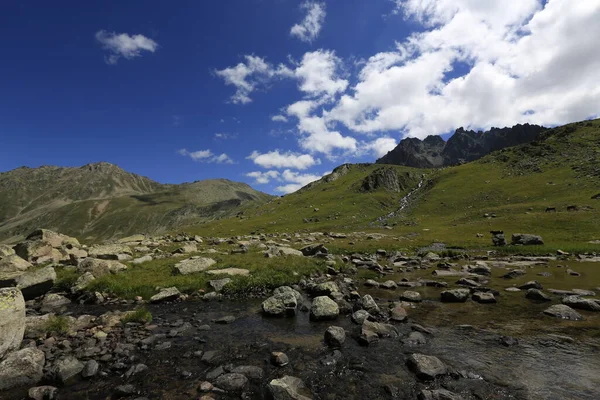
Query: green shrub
<point>141,315</point>
<point>57,325</point>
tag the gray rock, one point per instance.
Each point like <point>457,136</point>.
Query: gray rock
<point>143,259</point>
<point>124,390</point>
<point>455,295</point>
<point>398,313</point>
<point>67,368</point>
<point>33,250</point>
<point>219,284</point>
<point>371,283</point>
<point>369,304</point>
<point>381,330</point>
<point>323,308</point>
<point>283,303</point>
<point>90,369</point>
<point>6,250</point>
<point>313,249</point>
<point>83,282</point>
<point>531,285</point>
<point>36,283</point>
<point>526,239</point>
<point>229,271</point>
<point>414,339</point>
<point>55,240</point>
<point>279,359</point>
<point>467,282</point>
<point>288,388</point>
<point>12,320</point>
<point>537,295</point>
<point>194,265</point>
<point>426,367</point>
<point>53,302</point>
<point>232,382</point>
<point>414,297</point>
<point>13,263</point>
<point>335,336</point>
<point>515,273</point>
<point>99,268</point>
<point>360,316</point>
<point>168,294</point>
<point>250,372</point>
<point>581,303</point>
<point>563,312</point>
<point>22,368</point>
<point>325,289</point>
<point>43,393</point>
<point>484,297</point>
<point>136,369</point>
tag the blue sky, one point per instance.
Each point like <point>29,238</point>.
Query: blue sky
<point>189,91</point>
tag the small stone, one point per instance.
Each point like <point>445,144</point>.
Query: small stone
<point>398,314</point>
<point>531,285</point>
<point>288,388</point>
<point>43,393</point>
<point>124,390</point>
<point>484,298</point>
<point>335,336</point>
<point>360,316</point>
<point>414,297</point>
<point>232,382</point>
<point>455,295</point>
<point>225,320</point>
<point>324,308</point>
<point>538,295</point>
<point>563,312</point>
<point>279,359</point>
<point>90,369</point>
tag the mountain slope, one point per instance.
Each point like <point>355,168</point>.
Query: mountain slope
<point>463,146</point>
<point>100,201</point>
<point>507,190</point>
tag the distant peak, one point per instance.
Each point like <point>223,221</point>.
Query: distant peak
<point>100,166</point>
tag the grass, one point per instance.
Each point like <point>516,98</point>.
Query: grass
<point>57,325</point>
<point>140,315</point>
<point>265,273</point>
<point>66,278</point>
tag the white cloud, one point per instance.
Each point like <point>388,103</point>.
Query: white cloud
<point>246,76</point>
<point>296,181</point>
<point>524,63</point>
<point>381,146</point>
<point>124,45</point>
<point>225,136</point>
<point>275,159</point>
<point>263,178</point>
<point>206,156</point>
<point>318,74</point>
<point>279,118</point>
<point>310,27</point>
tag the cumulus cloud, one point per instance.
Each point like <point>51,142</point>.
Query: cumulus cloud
<point>263,178</point>
<point>246,76</point>
<point>279,118</point>
<point>528,63</point>
<point>276,159</point>
<point>318,73</point>
<point>295,181</point>
<point>124,45</point>
<point>380,146</point>
<point>310,27</point>
<point>206,156</point>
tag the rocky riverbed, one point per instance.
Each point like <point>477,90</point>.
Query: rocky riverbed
<point>370,325</point>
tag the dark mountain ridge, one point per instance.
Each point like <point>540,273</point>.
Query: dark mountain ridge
<point>464,146</point>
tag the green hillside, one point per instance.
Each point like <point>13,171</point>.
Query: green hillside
<point>102,201</point>
<point>508,190</point>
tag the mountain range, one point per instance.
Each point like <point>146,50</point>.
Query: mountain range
<point>463,146</point>
<point>507,189</point>
<point>101,201</point>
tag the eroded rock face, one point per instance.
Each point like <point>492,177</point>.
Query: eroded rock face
<point>389,179</point>
<point>22,368</point>
<point>12,320</point>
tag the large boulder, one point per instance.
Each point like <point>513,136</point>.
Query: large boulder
<point>563,312</point>
<point>13,263</point>
<point>168,294</point>
<point>22,368</point>
<point>55,240</point>
<point>99,267</point>
<point>6,250</point>
<point>54,302</point>
<point>455,295</point>
<point>12,319</point>
<point>526,239</point>
<point>581,303</point>
<point>288,388</point>
<point>193,265</point>
<point>109,251</point>
<point>313,249</point>
<point>426,367</point>
<point>324,308</point>
<point>232,382</point>
<point>33,250</point>
<point>83,282</point>
<point>284,302</point>
<point>36,283</point>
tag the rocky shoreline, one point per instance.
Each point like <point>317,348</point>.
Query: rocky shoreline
<point>364,327</point>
